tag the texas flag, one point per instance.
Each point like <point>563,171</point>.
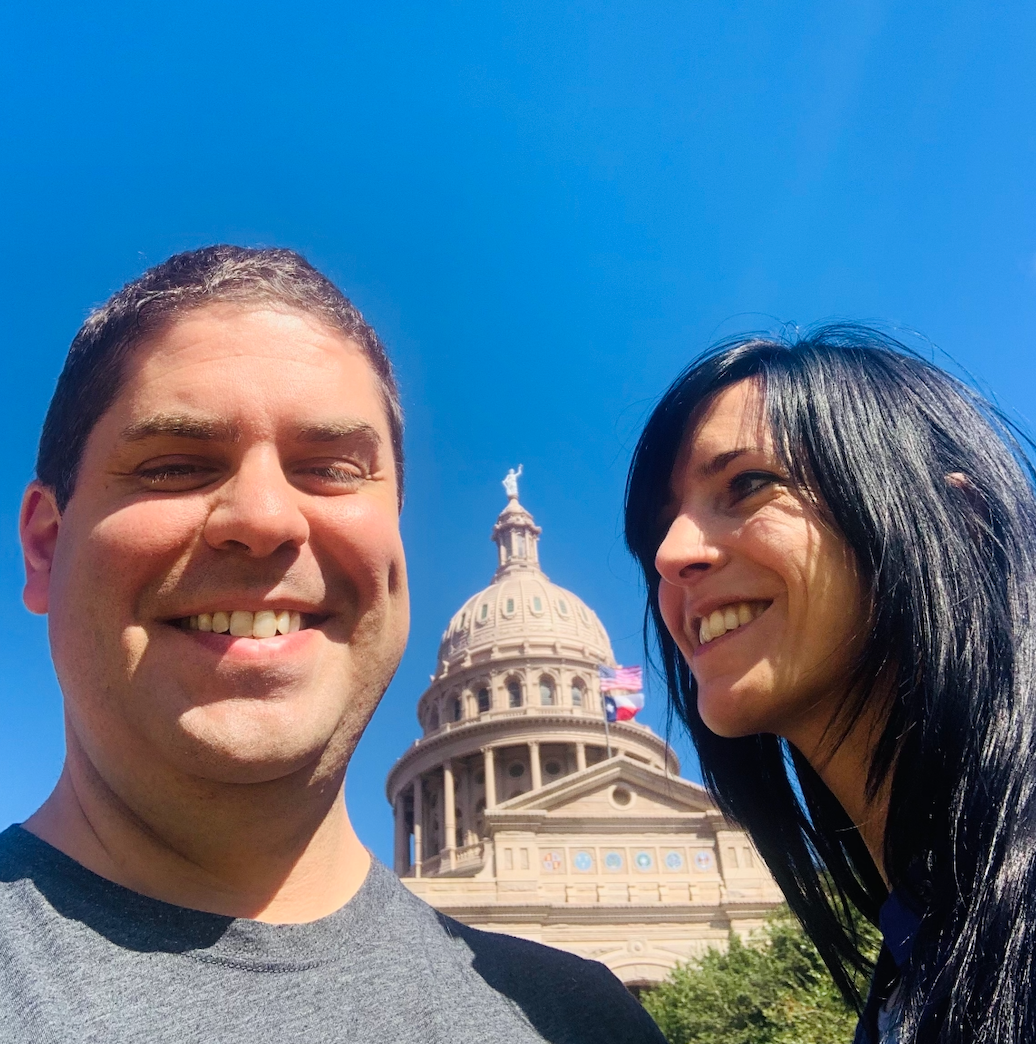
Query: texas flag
<point>623,692</point>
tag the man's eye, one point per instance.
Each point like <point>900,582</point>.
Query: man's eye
<point>174,475</point>
<point>749,483</point>
<point>338,471</point>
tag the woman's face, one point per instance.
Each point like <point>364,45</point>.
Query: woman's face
<point>761,597</point>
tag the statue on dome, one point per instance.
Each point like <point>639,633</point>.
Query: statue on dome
<point>511,483</point>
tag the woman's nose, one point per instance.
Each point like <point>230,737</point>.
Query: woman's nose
<point>686,552</point>
<point>259,510</point>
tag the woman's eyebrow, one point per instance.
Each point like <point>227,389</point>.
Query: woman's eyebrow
<point>722,460</point>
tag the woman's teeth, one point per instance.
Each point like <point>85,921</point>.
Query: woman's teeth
<point>240,623</point>
<point>719,621</point>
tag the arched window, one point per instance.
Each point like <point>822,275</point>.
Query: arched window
<point>433,718</point>
<point>457,708</point>
<point>514,693</point>
<point>483,700</point>
<point>546,691</point>
<point>578,693</point>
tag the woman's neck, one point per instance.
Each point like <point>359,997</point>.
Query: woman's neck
<point>845,771</point>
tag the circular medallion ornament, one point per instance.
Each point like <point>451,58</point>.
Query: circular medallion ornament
<point>703,860</point>
<point>552,861</point>
<point>583,862</point>
<point>644,860</point>
<point>613,860</point>
<point>674,861</point>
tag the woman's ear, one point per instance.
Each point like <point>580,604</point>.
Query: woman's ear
<point>38,526</point>
<point>961,482</point>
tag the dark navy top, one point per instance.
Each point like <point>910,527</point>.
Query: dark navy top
<point>899,921</point>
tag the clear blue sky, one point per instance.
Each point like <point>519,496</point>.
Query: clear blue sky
<point>546,209</point>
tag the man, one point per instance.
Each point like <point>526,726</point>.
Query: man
<point>213,533</point>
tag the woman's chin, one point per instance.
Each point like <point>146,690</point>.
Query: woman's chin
<point>728,715</point>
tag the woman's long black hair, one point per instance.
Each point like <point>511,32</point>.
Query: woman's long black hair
<point>929,486</point>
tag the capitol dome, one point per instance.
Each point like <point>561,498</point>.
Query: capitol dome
<point>522,604</point>
<point>514,703</point>
<point>521,808</point>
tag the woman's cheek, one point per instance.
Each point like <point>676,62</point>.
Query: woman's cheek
<point>670,604</point>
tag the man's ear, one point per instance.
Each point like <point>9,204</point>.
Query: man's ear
<point>38,526</point>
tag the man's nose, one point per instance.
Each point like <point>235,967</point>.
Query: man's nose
<point>686,552</point>
<point>258,510</point>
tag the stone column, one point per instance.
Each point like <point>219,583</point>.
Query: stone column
<point>489,770</point>
<point>580,757</point>
<point>449,812</point>
<point>402,836</point>
<point>534,764</point>
<point>418,826</point>
<point>464,801</point>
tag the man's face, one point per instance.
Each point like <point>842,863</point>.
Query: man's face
<point>246,467</point>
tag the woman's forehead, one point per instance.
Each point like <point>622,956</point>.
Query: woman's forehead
<point>733,418</point>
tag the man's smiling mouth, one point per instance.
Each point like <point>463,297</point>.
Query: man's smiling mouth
<point>728,618</point>
<point>242,623</point>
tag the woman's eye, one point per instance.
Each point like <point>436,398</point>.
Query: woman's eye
<point>749,483</point>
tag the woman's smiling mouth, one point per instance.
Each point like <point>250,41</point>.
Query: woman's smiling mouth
<point>728,618</point>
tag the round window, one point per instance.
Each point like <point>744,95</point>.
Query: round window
<point>552,768</point>
<point>516,770</point>
<point>622,797</point>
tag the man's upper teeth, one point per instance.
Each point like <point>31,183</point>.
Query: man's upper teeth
<point>244,624</point>
<point>719,621</point>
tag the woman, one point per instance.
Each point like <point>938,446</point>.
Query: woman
<point>838,544</point>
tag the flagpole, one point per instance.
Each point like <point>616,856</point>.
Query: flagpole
<point>607,733</point>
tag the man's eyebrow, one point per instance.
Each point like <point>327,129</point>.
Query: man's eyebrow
<point>335,431</point>
<point>181,426</point>
<point>722,460</point>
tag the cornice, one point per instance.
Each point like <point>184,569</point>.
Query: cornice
<point>544,913</point>
<point>589,825</point>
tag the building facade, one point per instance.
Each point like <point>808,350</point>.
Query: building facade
<point>521,810</point>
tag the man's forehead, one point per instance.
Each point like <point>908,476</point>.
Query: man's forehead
<point>180,367</point>
<point>176,386</point>
<point>229,326</point>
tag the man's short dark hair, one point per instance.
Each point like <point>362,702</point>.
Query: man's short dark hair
<point>95,367</point>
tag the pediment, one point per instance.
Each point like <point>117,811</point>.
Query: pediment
<point>592,793</point>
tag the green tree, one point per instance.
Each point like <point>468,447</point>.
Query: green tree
<point>772,990</point>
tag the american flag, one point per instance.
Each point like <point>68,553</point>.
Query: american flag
<point>621,679</point>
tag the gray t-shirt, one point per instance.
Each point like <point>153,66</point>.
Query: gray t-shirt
<point>85,960</point>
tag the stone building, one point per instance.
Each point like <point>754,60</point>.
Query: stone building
<point>519,810</point>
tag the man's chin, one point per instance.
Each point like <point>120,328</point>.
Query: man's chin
<point>238,747</point>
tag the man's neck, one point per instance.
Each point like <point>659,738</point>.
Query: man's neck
<point>281,852</point>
